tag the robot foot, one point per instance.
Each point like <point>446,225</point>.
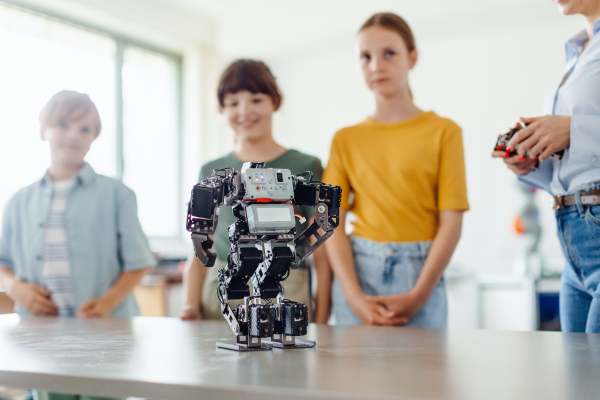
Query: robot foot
<point>255,322</point>
<point>244,346</point>
<point>281,341</point>
<point>291,322</point>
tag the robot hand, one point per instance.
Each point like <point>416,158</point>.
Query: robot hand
<point>202,245</point>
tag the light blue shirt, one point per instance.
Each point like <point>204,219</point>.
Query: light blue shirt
<point>578,97</point>
<point>103,231</point>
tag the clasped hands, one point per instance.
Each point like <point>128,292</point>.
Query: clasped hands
<point>543,137</point>
<point>396,309</point>
<point>36,299</point>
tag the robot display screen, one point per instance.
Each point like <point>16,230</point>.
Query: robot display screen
<point>273,214</point>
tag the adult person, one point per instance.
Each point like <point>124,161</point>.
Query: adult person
<point>571,123</point>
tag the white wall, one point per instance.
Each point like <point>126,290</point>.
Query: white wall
<point>483,64</point>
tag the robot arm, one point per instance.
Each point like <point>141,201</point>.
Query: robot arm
<point>326,199</point>
<point>222,187</point>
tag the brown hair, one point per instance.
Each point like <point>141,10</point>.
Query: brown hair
<point>395,23</point>
<point>66,106</point>
<point>253,76</point>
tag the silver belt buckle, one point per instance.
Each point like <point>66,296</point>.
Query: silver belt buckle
<point>589,200</point>
<point>557,202</point>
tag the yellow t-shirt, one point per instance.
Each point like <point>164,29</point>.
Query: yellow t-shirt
<point>400,175</point>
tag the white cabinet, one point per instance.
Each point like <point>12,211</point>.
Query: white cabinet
<point>507,302</point>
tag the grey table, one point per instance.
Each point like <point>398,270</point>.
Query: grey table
<point>171,359</point>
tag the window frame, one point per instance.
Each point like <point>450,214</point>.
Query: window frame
<point>122,42</point>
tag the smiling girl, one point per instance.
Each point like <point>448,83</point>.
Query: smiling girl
<point>248,96</point>
<point>405,170</point>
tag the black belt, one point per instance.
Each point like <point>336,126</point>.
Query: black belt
<point>589,198</point>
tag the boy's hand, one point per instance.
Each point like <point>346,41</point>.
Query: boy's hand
<point>520,165</point>
<point>95,308</point>
<point>33,298</point>
<point>190,312</point>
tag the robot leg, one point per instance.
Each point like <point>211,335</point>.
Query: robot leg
<point>252,320</point>
<point>291,320</point>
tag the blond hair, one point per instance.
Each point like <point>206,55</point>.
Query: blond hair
<point>68,105</point>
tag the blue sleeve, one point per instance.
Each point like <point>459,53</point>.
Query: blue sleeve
<point>585,139</point>
<point>541,177</point>
<point>6,259</point>
<point>133,244</point>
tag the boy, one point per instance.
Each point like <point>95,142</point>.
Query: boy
<point>71,243</point>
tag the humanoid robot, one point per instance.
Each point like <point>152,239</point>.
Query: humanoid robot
<point>264,247</point>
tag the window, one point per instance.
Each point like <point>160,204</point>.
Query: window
<point>136,89</point>
<point>151,139</point>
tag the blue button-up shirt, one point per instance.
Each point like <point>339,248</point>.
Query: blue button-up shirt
<point>579,98</point>
<point>103,232</point>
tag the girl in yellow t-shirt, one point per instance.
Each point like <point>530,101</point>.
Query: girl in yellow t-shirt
<point>402,174</point>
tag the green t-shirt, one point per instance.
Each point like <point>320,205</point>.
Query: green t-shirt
<point>293,160</point>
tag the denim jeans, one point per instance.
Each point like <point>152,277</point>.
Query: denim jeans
<point>579,235</point>
<point>390,268</point>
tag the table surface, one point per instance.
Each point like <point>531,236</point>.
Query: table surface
<point>166,358</point>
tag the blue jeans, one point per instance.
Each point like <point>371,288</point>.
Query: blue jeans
<point>390,268</point>
<point>579,235</point>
